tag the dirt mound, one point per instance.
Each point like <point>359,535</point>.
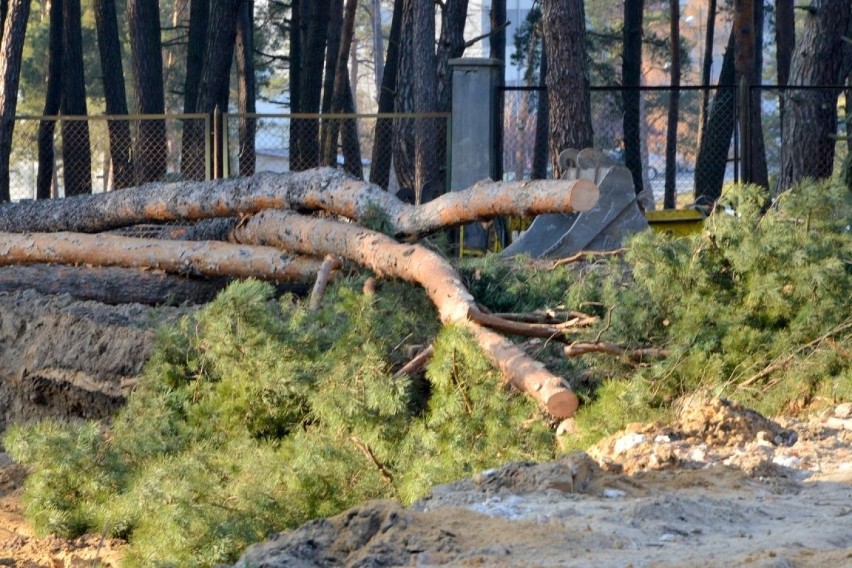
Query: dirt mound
<point>71,359</point>
<point>720,485</point>
<point>707,432</point>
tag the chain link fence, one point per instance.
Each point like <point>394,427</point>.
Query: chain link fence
<point>373,147</point>
<point>704,113</point>
<point>59,156</point>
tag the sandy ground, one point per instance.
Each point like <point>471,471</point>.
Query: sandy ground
<point>722,486</point>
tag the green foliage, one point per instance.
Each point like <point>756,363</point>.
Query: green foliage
<point>256,415</point>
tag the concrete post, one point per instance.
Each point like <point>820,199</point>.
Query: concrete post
<point>476,130</point>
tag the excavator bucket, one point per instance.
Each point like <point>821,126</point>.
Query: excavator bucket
<point>604,227</point>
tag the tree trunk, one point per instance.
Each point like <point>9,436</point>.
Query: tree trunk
<point>304,148</point>
<point>413,263</point>
<point>76,152</point>
<point>330,91</point>
<point>567,76</point>
<point>707,64</point>
<point>539,165</point>
<point>193,258</point>
<point>670,195</point>
<point>716,139</point>
<point>111,285</point>
<point>192,164</point>
<point>403,136</point>
<point>350,139</point>
<point>146,51</point>
<point>785,39</point>
<point>52,102</point>
<point>425,92</point>
<point>120,143</point>
<point>631,77</point>
<point>450,46</point>
<point>11,50</point>
<point>327,189</point>
<point>378,43</point>
<point>383,136</point>
<point>757,146</point>
<point>246,87</point>
<point>810,118</point>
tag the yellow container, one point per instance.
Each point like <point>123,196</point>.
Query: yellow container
<point>677,222</point>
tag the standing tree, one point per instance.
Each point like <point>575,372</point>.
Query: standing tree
<point>785,39</point>
<point>383,138</point>
<point>109,46</point>
<point>76,154</point>
<point>425,93</point>
<point>52,101</point>
<point>403,135</point>
<point>246,86</point>
<point>146,56</point>
<point>11,50</point>
<point>707,64</point>
<point>810,117</point>
<point>192,144</point>
<point>631,78</point>
<point>567,76</point>
<point>674,107</point>
<point>378,42</point>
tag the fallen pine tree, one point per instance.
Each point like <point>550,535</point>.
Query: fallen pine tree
<point>263,208</point>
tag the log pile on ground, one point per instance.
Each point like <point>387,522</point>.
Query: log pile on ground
<point>261,227</point>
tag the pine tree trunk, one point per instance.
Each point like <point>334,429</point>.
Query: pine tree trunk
<point>631,76</point>
<point>329,128</point>
<point>707,64</point>
<point>785,40</point>
<point>192,163</point>
<point>304,146</point>
<point>52,102</point>
<point>425,92</point>
<point>567,76</point>
<point>403,136</point>
<point>378,43</point>
<point>669,196</point>
<point>76,152</point>
<point>716,138</point>
<point>326,189</point>
<point>383,136</point>
<point>810,116</point>
<point>11,50</point>
<point>450,46</point>
<point>757,146</point>
<point>497,17</point>
<point>120,143</point>
<point>146,56</point>
<point>542,121</point>
<point>350,139</point>
<point>246,87</point>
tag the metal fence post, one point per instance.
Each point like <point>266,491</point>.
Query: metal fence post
<point>226,147</point>
<point>208,157</point>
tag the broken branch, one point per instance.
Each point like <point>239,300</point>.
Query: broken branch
<point>632,356</point>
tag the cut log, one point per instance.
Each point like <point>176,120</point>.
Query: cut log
<point>323,188</point>
<point>413,263</point>
<point>111,285</point>
<point>190,258</point>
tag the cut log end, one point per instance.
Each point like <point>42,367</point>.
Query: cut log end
<point>584,195</point>
<point>562,404</point>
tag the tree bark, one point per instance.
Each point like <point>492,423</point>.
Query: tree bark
<point>111,285</point>
<point>378,43</point>
<point>631,78</point>
<point>383,136</point>
<point>350,139</point>
<point>669,196</point>
<point>567,76</point>
<point>76,152</point>
<point>425,93</point>
<point>340,84</point>
<point>413,263</point>
<point>325,189</point>
<point>147,62</point>
<point>542,122</point>
<point>11,50</point>
<point>109,46</point>
<point>52,102</point>
<point>757,146</point>
<point>450,46</point>
<point>810,118</point>
<point>193,258</point>
<point>716,139</point>
<point>785,39</point>
<point>246,87</point>
<point>707,64</point>
<point>403,136</point>
<point>192,164</point>
<point>304,147</point>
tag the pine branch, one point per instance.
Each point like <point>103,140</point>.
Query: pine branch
<point>368,453</point>
<point>329,265</point>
